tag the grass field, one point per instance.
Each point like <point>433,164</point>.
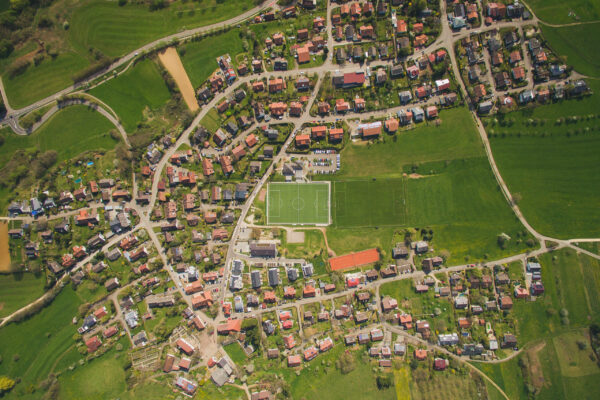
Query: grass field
<point>199,58</point>
<point>508,376</point>
<point>448,188</point>
<point>572,282</point>
<point>560,190</point>
<point>581,54</point>
<point>18,290</point>
<point>102,378</point>
<point>30,348</point>
<point>455,138</point>
<point>117,30</point>
<point>130,93</point>
<point>369,203</point>
<point>323,381</point>
<point>235,351</point>
<point>557,11</point>
<point>111,29</point>
<point>70,132</point>
<point>40,81</point>
<point>299,203</point>
<point>459,201</point>
<point>452,386</point>
<point>556,368</point>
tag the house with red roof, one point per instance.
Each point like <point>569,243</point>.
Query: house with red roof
<point>310,353</point>
<point>232,325</point>
<point>251,140</point>
<point>93,344</point>
<point>309,291</point>
<point>341,106</point>
<point>185,346</point>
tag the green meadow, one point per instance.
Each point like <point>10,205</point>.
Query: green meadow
<point>567,41</point>
<point>199,57</point>
<point>70,132</point>
<point>430,177</point>
<point>572,283</point>
<point>30,349</point>
<point>112,30</point>
<point>555,368</point>
<point>18,290</point>
<point>549,158</point>
<point>557,179</point>
<point>116,30</point>
<point>557,11</point>
<point>45,79</point>
<point>101,378</point>
<point>132,92</point>
<point>455,138</point>
<point>322,380</point>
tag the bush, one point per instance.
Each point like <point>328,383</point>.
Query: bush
<point>18,68</point>
<point>6,48</point>
<point>384,382</point>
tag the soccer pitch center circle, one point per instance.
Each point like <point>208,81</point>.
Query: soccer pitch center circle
<point>298,204</point>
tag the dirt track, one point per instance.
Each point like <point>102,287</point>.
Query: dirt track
<point>4,253</point>
<point>171,61</point>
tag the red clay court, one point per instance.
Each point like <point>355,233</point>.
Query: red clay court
<point>354,259</point>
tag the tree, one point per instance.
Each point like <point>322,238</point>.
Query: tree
<point>345,363</point>
<point>6,384</point>
<point>384,382</point>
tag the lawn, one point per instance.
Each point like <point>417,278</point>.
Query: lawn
<point>18,290</point>
<point>459,202</point>
<point>70,132</point>
<point>557,11</point>
<point>235,351</point>
<point>199,58</point>
<point>574,361</point>
<point>130,93</point>
<point>102,378</point>
<point>455,138</point>
<point>112,30</point>
<point>581,54</point>
<point>321,380</point>
<point>298,203</point>
<point>508,376</point>
<point>369,203</point>
<point>453,386</point>
<point>561,189</point>
<point>571,282</point>
<point>38,82</point>
<point>313,244</point>
<point>116,30</point>
<point>30,348</point>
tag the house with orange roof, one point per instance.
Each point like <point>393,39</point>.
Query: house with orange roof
<point>302,141</point>
<point>392,125</point>
<point>336,134</point>
<point>295,109</point>
<point>420,40</point>
<point>420,354</point>
<point>202,299</point>
<point>402,28</point>
<point>251,140</point>
<point>278,109</point>
<point>341,106</point>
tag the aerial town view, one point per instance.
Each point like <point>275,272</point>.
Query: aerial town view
<point>300,199</point>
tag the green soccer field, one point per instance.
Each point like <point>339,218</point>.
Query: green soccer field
<point>298,203</point>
